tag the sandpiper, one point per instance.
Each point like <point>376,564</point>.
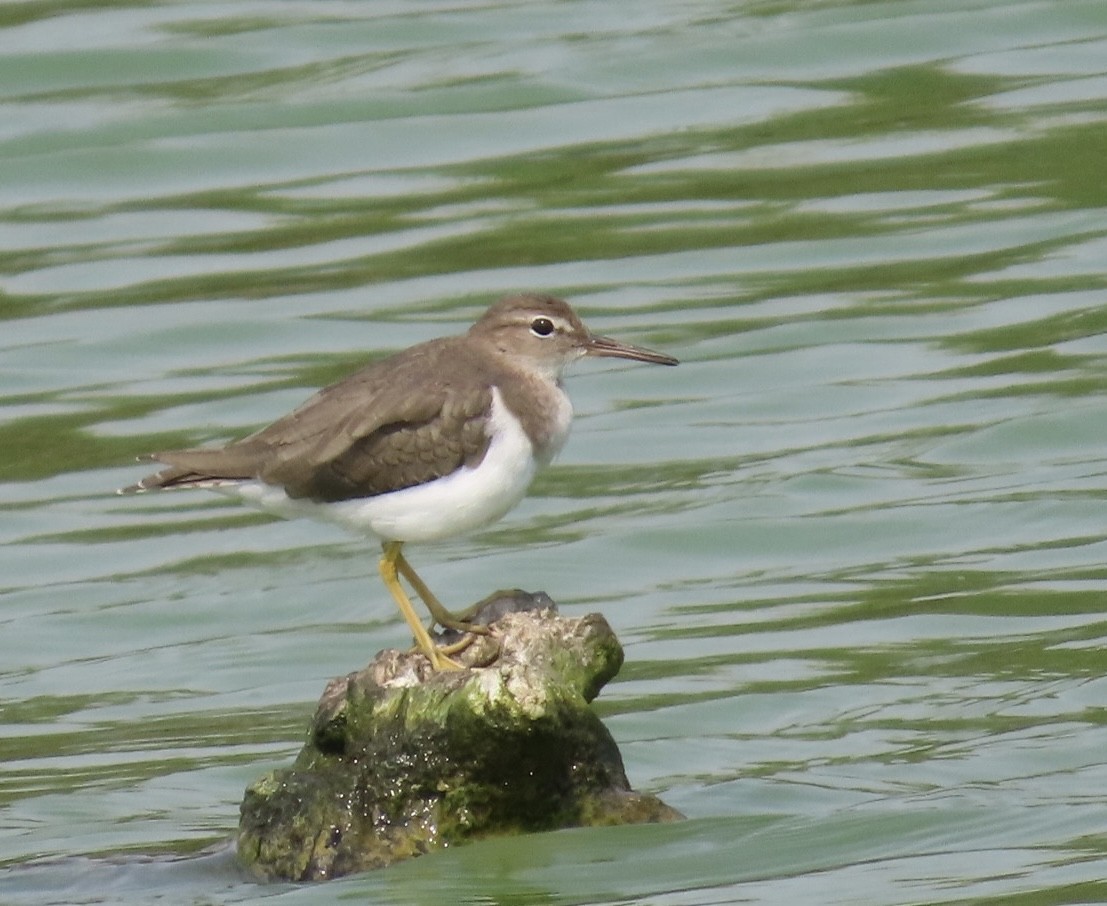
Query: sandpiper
<point>435,441</point>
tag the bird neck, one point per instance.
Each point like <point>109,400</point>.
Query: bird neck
<point>541,406</point>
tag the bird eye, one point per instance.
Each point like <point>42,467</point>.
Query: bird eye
<point>541,327</point>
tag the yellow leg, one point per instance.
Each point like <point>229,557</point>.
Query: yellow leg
<point>443,617</point>
<point>390,563</point>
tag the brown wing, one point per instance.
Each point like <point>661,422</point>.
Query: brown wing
<point>418,441</point>
<point>368,434</point>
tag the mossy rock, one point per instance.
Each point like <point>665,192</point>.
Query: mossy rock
<point>401,760</point>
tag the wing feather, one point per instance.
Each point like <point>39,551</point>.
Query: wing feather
<point>365,435</point>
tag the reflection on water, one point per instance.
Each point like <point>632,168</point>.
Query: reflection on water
<point>854,545</point>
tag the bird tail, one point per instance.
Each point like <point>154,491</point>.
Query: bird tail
<point>193,469</point>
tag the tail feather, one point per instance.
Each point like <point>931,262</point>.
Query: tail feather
<point>193,469</point>
<point>175,479</point>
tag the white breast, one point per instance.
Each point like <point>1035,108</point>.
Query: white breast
<point>559,430</point>
<point>461,502</point>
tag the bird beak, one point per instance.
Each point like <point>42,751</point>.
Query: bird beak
<point>605,346</point>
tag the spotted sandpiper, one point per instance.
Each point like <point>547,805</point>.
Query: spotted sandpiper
<point>432,442</point>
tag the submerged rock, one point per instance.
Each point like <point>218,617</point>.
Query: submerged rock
<point>401,760</point>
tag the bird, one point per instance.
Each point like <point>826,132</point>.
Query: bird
<point>432,442</point>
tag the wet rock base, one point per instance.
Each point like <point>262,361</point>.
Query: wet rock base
<point>401,760</point>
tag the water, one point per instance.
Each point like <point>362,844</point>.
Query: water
<point>854,546</point>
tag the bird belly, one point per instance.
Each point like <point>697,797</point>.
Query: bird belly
<point>467,499</point>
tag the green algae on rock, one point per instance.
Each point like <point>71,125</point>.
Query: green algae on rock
<point>401,760</point>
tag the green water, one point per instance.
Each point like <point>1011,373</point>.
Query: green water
<point>854,546</point>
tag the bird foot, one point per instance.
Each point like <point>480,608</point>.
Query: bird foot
<point>440,656</point>
<point>461,624</point>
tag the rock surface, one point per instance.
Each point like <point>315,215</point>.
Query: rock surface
<point>401,760</point>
